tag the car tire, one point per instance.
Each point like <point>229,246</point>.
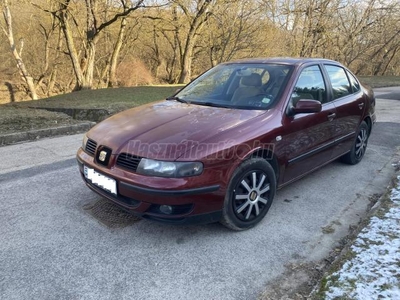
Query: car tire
<point>249,196</point>
<point>359,146</point>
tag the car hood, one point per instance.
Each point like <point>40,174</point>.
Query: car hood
<point>166,129</point>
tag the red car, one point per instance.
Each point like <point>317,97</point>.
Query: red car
<point>220,148</point>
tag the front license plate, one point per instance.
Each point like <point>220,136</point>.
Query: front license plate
<point>104,182</point>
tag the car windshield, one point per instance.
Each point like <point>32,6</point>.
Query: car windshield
<point>237,85</point>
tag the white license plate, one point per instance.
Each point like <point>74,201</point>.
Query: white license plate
<point>100,180</point>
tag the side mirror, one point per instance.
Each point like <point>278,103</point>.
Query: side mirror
<point>306,106</point>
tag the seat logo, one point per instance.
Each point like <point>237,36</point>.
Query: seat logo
<point>102,156</point>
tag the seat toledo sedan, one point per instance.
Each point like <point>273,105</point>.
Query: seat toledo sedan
<point>219,148</point>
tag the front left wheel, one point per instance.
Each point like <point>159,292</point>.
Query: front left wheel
<point>249,195</point>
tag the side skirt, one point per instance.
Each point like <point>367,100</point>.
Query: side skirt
<point>312,170</point>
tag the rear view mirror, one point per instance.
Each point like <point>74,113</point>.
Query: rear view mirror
<point>305,106</point>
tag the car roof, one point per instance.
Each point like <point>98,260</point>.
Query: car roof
<point>282,60</point>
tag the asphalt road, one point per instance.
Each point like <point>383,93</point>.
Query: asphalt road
<point>52,247</point>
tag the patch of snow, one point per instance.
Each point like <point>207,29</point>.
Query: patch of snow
<point>374,271</point>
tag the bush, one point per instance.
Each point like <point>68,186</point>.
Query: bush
<point>133,73</point>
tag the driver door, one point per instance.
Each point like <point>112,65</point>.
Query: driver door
<point>308,136</point>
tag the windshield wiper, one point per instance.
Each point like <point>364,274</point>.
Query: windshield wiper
<point>212,104</point>
<point>178,99</point>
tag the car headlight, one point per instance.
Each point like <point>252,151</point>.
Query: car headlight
<point>152,167</point>
<point>84,141</point>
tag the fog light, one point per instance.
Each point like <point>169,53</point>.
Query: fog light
<point>166,209</point>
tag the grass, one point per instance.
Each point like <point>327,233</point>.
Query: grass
<point>110,99</point>
<point>24,119</point>
<point>380,81</point>
<point>24,116</point>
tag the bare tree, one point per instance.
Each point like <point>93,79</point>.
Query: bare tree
<point>8,30</point>
<point>196,16</point>
<point>163,43</point>
<point>95,25</point>
<point>115,54</point>
<point>95,43</point>
<point>236,29</point>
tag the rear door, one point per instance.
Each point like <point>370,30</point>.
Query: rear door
<point>309,137</point>
<point>350,104</point>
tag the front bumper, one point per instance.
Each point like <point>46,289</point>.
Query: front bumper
<point>191,205</point>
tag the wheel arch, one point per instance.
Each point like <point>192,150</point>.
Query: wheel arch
<point>368,120</point>
<point>269,156</point>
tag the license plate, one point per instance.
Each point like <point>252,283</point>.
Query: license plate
<point>104,182</point>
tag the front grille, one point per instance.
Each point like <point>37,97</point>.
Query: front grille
<point>91,147</point>
<point>128,161</point>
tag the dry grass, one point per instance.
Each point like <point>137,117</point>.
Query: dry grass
<point>23,116</point>
<point>104,98</point>
<point>380,81</point>
<point>14,119</point>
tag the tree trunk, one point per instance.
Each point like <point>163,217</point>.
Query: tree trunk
<point>196,25</point>
<point>84,69</point>
<point>89,65</point>
<point>54,72</point>
<point>187,58</point>
<point>115,54</point>
<point>156,51</point>
<point>17,55</point>
<point>186,64</point>
<point>72,53</point>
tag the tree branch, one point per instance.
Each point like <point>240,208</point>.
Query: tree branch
<point>138,5</point>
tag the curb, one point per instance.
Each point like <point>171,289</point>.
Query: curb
<point>33,135</point>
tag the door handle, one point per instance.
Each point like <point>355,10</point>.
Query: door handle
<point>361,105</point>
<point>331,116</point>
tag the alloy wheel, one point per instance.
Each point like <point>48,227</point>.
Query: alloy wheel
<point>251,195</point>
<point>361,143</point>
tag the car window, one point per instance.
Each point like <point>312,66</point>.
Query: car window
<point>310,85</point>
<point>263,73</point>
<point>214,84</point>
<point>340,82</point>
<point>238,85</point>
<point>354,83</point>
